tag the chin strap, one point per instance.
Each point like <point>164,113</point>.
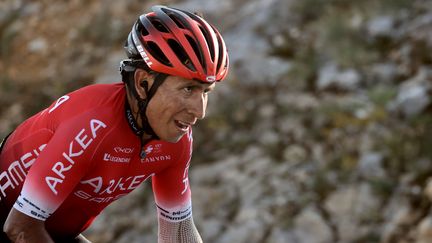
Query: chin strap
<point>127,69</point>
<point>142,107</point>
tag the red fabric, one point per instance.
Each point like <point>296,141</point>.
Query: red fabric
<point>79,155</point>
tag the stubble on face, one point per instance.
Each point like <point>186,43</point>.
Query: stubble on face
<point>168,111</point>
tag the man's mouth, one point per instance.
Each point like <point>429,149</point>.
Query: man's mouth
<point>184,126</point>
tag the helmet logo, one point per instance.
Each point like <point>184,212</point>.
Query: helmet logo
<point>144,56</point>
<point>211,78</point>
<point>141,50</point>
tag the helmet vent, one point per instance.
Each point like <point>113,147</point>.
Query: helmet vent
<point>158,25</point>
<point>181,54</point>
<point>141,29</point>
<point>196,49</point>
<point>157,53</point>
<point>209,42</point>
<point>174,16</point>
<point>220,53</point>
<point>176,20</point>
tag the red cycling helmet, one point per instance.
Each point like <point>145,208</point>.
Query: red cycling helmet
<point>178,43</point>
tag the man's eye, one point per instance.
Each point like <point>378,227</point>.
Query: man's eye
<point>188,89</point>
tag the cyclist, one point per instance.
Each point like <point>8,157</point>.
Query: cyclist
<point>62,166</point>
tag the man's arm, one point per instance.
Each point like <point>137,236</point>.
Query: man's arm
<point>173,199</point>
<point>21,228</point>
<point>178,232</point>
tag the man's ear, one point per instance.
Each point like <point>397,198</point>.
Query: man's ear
<point>140,77</point>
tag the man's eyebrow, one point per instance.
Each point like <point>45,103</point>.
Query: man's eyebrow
<point>196,83</point>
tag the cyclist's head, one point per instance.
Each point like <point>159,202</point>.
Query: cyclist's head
<point>178,46</point>
<point>178,43</point>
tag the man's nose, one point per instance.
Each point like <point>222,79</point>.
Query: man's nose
<point>198,106</point>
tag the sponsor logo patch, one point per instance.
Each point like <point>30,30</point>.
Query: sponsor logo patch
<point>109,157</point>
<point>123,150</point>
<point>156,158</point>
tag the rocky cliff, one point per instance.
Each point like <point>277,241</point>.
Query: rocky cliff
<point>322,132</point>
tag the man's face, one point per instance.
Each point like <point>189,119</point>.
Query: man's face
<point>176,107</point>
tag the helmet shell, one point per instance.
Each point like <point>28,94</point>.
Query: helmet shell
<point>178,43</point>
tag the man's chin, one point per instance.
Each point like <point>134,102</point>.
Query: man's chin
<point>172,139</point>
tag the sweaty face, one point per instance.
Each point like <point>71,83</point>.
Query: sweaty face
<point>176,107</point>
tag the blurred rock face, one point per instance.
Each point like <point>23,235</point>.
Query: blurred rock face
<point>321,133</point>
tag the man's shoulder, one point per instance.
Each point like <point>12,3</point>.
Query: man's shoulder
<point>94,96</point>
<point>99,89</point>
<point>93,101</point>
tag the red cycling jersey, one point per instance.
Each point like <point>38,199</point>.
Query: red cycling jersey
<point>69,161</point>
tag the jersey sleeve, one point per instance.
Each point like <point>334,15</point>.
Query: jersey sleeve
<point>61,165</point>
<point>171,188</point>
